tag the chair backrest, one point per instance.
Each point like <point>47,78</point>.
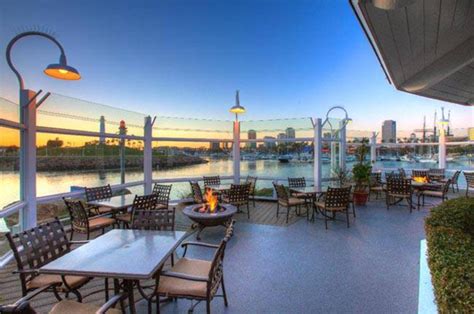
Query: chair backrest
<point>281,192</point>
<point>239,193</point>
<point>212,180</point>
<point>197,193</point>
<point>161,219</point>
<point>399,186</point>
<point>297,182</point>
<point>402,172</point>
<point>446,186</point>
<point>337,197</point>
<point>469,178</point>
<point>144,202</point>
<point>38,246</point>
<point>375,179</point>
<point>163,193</point>
<point>419,173</point>
<point>98,193</point>
<point>253,183</point>
<point>78,215</point>
<point>436,171</point>
<point>455,177</point>
<point>217,265</point>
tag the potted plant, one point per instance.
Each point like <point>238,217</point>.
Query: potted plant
<point>361,174</point>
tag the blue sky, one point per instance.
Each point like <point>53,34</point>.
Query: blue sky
<point>187,58</point>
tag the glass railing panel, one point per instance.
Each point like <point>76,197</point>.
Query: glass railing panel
<point>9,110</point>
<point>9,166</point>
<point>277,129</point>
<point>175,127</point>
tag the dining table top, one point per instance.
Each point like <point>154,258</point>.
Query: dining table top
<point>308,189</point>
<point>219,187</point>
<point>119,253</point>
<point>114,202</point>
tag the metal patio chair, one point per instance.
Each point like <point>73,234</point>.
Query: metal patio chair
<point>145,202</point>
<point>398,190</point>
<point>163,193</point>
<point>212,180</point>
<point>196,192</point>
<point>81,222</point>
<point>289,202</point>
<point>98,193</point>
<point>469,181</point>
<point>238,195</point>
<point>441,193</point>
<point>335,200</point>
<point>253,186</point>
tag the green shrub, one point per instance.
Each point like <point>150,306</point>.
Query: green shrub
<point>449,230</point>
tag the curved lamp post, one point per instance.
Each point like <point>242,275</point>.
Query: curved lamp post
<point>27,106</point>
<point>237,109</point>
<point>342,138</point>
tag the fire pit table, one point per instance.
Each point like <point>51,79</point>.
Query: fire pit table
<point>204,217</point>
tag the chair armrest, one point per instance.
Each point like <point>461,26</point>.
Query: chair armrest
<point>79,242</point>
<point>100,216</point>
<point>184,276</point>
<point>202,244</point>
<point>26,271</point>
<point>22,303</point>
<point>112,301</point>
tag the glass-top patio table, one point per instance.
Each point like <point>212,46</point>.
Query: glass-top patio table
<point>117,203</point>
<point>108,256</point>
<point>219,187</point>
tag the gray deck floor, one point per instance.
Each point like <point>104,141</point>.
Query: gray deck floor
<point>372,267</point>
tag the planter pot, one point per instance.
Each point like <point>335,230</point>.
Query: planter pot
<point>360,198</point>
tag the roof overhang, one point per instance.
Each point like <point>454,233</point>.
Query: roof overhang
<point>424,47</point>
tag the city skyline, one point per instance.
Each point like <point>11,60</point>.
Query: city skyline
<point>299,70</point>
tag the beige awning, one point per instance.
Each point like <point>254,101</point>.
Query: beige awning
<point>426,47</point>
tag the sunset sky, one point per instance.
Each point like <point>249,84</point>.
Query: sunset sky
<point>187,58</point>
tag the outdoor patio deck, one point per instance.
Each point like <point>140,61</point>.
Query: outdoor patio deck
<point>372,267</point>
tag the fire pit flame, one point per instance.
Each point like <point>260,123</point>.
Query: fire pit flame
<point>420,179</point>
<point>212,201</point>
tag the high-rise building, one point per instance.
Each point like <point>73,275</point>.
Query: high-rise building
<point>290,133</point>
<point>214,146</point>
<point>252,135</point>
<point>269,144</point>
<point>389,131</point>
<point>281,136</point>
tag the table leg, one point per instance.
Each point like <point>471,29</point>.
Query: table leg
<point>128,287</point>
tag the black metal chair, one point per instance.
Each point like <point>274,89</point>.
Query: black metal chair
<point>22,306</point>
<point>82,223</point>
<point>375,184</point>
<point>253,186</point>
<point>38,246</point>
<point>238,195</point>
<point>196,192</point>
<point>211,180</point>
<point>289,202</point>
<point>469,181</point>
<point>98,193</point>
<point>160,219</point>
<point>398,190</point>
<point>163,193</point>
<point>441,193</point>
<point>436,174</point>
<point>402,173</point>
<point>145,202</point>
<point>420,173</point>
<point>335,200</point>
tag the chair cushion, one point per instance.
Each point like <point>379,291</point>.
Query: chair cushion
<point>377,188</point>
<point>161,206</point>
<point>432,193</point>
<point>69,306</point>
<point>44,280</point>
<point>399,195</point>
<point>322,205</point>
<point>125,217</point>
<point>296,201</point>
<point>182,287</point>
<point>100,222</point>
<point>103,210</point>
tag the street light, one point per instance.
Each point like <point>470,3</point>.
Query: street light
<point>56,70</point>
<point>345,121</point>
<point>237,108</point>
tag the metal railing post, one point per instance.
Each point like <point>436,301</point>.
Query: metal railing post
<point>236,152</point>
<point>148,156</point>
<point>28,159</point>
<point>342,145</point>
<point>373,148</point>
<point>317,153</point>
<point>442,148</point>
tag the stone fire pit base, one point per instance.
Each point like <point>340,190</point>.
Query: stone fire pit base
<point>206,219</point>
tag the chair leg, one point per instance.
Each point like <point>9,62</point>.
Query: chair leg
<point>106,284</point>
<point>347,217</point>
<point>326,219</point>
<point>288,213</point>
<point>72,233</point>
<point>223,291</point>
<point>208,306</point>
<point>353,209</point>
<point>278,208</point>
<point>248,211</point>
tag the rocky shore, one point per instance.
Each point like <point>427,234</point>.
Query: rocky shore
<point>68,163</point>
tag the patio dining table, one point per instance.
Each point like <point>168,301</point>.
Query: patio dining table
<point>116,203</point>
<point>108,256</point>
<point>219,187</point>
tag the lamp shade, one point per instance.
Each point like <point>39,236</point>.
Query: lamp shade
<point>237,108</point>
<point>62,72</point>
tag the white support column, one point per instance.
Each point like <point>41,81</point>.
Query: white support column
<point>442,148</point>
<point>373,148</point>
<point>317,153</point>
<point>148,156</point>
<point>236,152</point>
<point>342,145</point>
<point>102,130</point>
<point>28,159</point>
<point>333,160</point>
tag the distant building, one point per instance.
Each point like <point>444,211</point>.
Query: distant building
<point>290,133</point>
<point>413,138</point>
<point>281,136</point>
<point>252,135</point>
<point>214,146</point>
<point>389,131</point>
<point>470,134</point>
<point>269,144</point>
